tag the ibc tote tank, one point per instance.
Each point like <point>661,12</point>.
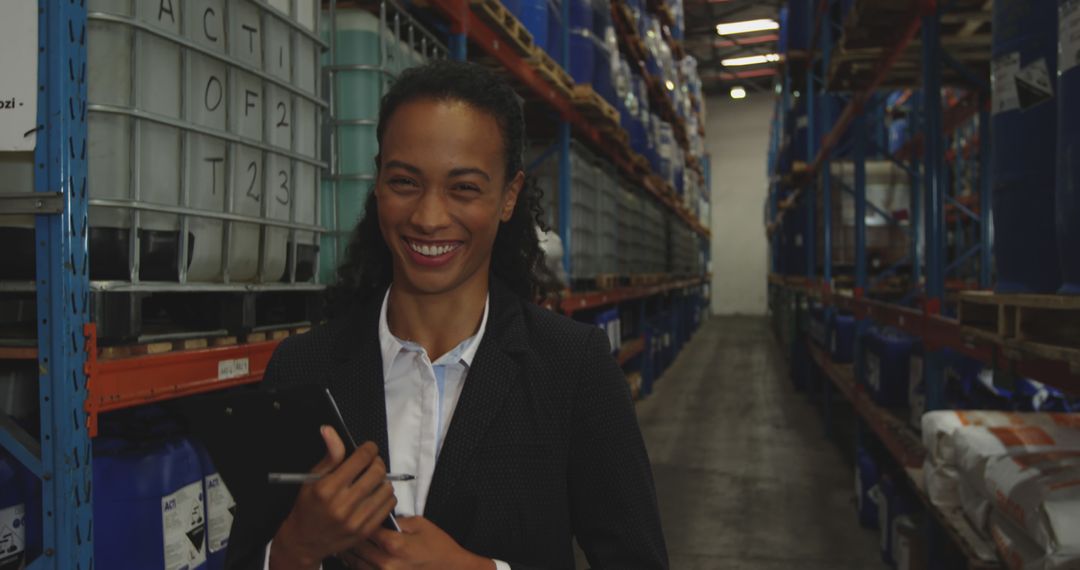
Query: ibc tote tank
<point>1024,132</point>
<point>194,118</point>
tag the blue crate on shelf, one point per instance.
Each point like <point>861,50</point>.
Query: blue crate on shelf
<point>841,331</point>
<point>885,374</point>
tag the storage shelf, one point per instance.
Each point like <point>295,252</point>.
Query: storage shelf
<point>942,332</point>
<point>632,46</point>
<point>461,17</point>
<point>120,383</point>
<point>575,302</point>
<point>907,449</point>
<point>899,439</point>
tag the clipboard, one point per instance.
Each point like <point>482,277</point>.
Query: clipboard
<point>252,432</point>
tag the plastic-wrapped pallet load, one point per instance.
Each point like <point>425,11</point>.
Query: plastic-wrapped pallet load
<point>942,457</point>
<point>1021,553</point>
<point>1039,494</point>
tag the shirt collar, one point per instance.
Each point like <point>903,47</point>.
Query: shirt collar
<point>390,346</point>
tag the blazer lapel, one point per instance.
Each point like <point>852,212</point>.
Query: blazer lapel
<point>489,379</point>
<point>356,377</point>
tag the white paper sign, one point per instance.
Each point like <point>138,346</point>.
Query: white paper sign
<point>1003,71</point>
<point>220,511</point>
<point>18,75</point>
<point>183,526</point>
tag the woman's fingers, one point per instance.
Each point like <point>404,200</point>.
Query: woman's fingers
<point>342,477</point>
<point>335,451</point>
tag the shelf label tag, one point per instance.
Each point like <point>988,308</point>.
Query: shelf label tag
<point>235,368</point>
<point>18,68</point>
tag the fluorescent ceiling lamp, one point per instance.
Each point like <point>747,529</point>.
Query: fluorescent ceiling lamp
<point>747,26</point>
<point>751,60</point>
<point>738,93</point>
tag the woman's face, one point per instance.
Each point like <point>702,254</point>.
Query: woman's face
<point>442,192</point>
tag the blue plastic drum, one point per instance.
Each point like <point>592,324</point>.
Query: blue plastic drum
<point>149,510</point>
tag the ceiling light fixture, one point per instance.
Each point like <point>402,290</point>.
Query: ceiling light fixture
<point>746,26</point>
<point>751,60</point>
<point>738,93</point>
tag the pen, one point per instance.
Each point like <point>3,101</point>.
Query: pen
<point>300,478</point>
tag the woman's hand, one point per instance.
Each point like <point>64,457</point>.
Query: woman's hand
<point>330,515</point>
<point>419,546</point>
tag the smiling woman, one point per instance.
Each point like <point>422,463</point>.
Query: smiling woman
<point>435,137</point>
<point>515,422</point>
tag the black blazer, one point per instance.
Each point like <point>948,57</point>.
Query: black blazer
<point>544,444</point>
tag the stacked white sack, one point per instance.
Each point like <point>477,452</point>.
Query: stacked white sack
<point>1039,494</point>
<point>976,445</point>
<point>940,468</point>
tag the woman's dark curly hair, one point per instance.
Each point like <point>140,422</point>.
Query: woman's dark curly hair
<point>516,257</point>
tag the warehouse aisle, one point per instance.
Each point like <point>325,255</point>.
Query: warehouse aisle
<point>745,477</point>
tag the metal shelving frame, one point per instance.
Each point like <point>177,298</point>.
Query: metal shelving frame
<point>934,153</point>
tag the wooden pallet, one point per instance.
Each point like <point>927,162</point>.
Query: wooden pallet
<point>641,164</point>
<point>647,279</point>
<point>195,343</point>
<point>552,72</point>
<point>593,106</point>
<point>607,281</point>
<point>506,24</point>
<point>1047,326</point>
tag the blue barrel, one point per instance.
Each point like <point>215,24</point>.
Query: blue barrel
<point>603,79</point>
<point>866,476</point>
<point>582,42</point>
<point>582,55</point>
<point>887,355</point>
<point>842,338</point>
<point>1068,179</point>
<point>148,504</point>
<point>1022,165</point>
<point>513,5</point>
<point>533,14</point>
<point>220,511</point>
<point>554,22</point>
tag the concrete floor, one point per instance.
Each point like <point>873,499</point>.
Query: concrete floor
<point>745,477</point>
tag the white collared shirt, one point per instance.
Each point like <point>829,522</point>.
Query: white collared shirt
<point>421,397</point>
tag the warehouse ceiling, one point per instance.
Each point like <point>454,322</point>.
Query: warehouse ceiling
<point>710,49</point>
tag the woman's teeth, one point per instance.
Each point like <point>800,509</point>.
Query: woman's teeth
<point>432,250</point>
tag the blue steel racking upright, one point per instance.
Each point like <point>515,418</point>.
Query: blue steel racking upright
<point>60,457</point>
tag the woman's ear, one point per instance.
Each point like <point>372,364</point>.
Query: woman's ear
<point>513,190</point>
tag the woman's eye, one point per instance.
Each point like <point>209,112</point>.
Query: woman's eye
<point>402,182</point>
<point>467,188</point>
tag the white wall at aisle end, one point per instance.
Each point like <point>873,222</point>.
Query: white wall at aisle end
<point>737,139</point>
